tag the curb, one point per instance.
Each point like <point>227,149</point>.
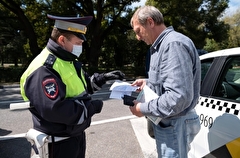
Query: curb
<point>5,85</point>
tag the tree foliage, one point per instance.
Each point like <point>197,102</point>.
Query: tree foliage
<point>107,17</point>
<point>111,43</point>
<point>17,10</point>
<point>234,32</point>
<point>198,19</point>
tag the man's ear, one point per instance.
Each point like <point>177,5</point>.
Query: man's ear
<point>61,40</point>
<point>150,21</point>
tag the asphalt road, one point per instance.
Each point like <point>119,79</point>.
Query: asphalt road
<point>114,133</point>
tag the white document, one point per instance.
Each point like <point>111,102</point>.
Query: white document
<point>120,88</point>
<point>147,95</point>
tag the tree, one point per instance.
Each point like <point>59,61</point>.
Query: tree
<point>211,45</point>
<point>108,15</point>
<point>32,16</point>
<point>234,32</point>
<point>12,38</point>
<point>198,19</point>
<point>15,7</point>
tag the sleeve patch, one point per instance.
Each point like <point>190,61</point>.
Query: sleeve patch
<point>50,88</point>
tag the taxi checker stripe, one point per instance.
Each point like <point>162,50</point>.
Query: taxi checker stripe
<point>228,107</point>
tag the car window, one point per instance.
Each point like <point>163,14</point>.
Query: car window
<point>205,65</point>
<point>229,83</point>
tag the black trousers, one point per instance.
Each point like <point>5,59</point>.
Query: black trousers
<point>74,147</point>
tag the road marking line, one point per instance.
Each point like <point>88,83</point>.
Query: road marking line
<point>113,120</point>
<point>146,143</point>
<point>93,123</point>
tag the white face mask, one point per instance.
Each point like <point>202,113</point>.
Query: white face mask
<point>77,50</point>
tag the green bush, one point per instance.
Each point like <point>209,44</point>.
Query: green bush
<point>10,74</point>
<point>13,74</point>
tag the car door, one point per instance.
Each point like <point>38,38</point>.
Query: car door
<point>218,109</point>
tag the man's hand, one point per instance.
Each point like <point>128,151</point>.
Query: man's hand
<point>136,109</point>
<point>117,74</point>
<point>140,83</point>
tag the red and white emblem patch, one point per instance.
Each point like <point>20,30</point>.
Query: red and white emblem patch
<point>50,88</point>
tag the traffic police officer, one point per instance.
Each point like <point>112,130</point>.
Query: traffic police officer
<point>58,88</point>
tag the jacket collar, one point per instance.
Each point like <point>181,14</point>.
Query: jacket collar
<point>155,46</point>
<point>59,51</point>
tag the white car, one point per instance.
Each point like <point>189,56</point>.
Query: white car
<point>219,106</point>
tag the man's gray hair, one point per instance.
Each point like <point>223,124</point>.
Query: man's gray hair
<point>145,12</point>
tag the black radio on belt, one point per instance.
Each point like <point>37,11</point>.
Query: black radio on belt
<point>128,100</point>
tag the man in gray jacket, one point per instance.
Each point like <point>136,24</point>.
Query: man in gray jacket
<point>174,74</point>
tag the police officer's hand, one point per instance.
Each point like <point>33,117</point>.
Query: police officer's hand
<point>97,105</point>
<point>117,74</point>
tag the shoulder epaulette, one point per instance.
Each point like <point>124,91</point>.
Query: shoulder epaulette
<point>50,60</point>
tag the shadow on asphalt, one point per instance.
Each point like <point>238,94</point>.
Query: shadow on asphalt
<point>4,132</point>
<point>4,106</point>
<point>15,148</point>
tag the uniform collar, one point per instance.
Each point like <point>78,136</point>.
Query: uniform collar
<point>59,51</point>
